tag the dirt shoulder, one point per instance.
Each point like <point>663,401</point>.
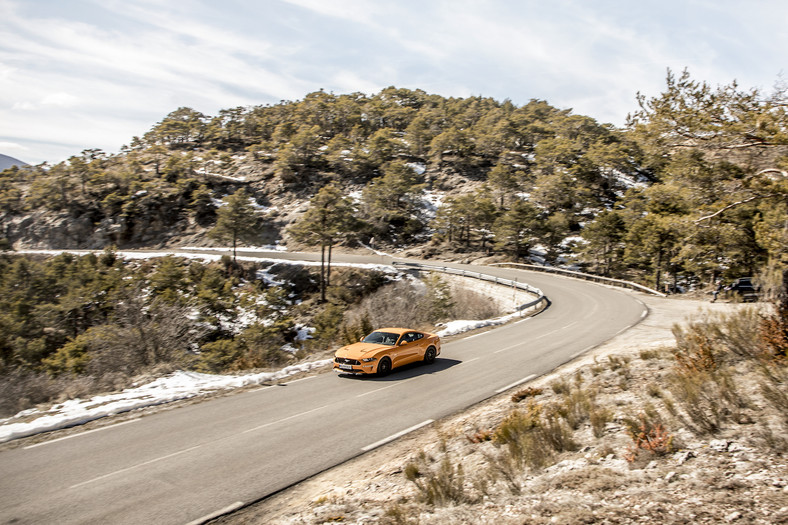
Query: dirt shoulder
<point>373,487</point>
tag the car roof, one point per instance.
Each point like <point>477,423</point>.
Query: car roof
<point>396,330</point>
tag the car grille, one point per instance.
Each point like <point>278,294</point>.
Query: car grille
<point>344,361</point>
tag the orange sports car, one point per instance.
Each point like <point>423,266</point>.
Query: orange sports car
<point>386,349</point>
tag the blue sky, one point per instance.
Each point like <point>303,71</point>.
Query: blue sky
<point>78,74</point>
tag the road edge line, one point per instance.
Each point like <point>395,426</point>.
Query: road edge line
<point>398,435</point>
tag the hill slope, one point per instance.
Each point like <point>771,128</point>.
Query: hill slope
<point>8,162</point>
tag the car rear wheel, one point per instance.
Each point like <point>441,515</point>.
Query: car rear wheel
<point>384,367</point>
<point>429,355</point>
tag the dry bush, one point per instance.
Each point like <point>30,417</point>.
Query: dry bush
<point>703,393</point>
<point>439,484</point>
<point>412,303</point>
<point>648,435</point>
<point>20,390</point>
<point>480,436</point>
<point>470,304</point>
<point>704,400</point>
<point>397,304</point>
<point>532,437</point>
<point>712,340</point>
<point>400,514</point>
<point>560,386</point>
<point>646,355</point>
<point>599,418</point>
<point>526,393</point>
<point>575,407</point>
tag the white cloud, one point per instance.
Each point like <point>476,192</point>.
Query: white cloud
<point>96,73</point>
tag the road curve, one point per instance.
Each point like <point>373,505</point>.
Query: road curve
<point>180,466</point>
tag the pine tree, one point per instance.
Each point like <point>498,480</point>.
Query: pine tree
<point>236,220</point>
<point>329,219</point>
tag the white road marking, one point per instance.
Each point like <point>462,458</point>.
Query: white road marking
<point>377,390</point>
<point>536,339</point>
<point>209,517</point>
<point>297,380</point>
<point>523,380</point>
<point>285,419</point>
<point>387,387</point>
<point>583,351</point>
<point>135,466</point>
<point>80,434</point>
<point>397,435</point>
<point>469,361</point>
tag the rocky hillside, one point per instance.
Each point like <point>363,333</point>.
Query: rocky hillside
<point>694,189</point>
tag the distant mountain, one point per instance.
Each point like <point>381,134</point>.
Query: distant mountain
<point>6,162</point>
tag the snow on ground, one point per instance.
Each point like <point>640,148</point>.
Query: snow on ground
<point>459,327</point>
<point>173,387</point>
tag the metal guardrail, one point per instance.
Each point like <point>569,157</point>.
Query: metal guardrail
<point>584,276</point>
<point>482,276</point>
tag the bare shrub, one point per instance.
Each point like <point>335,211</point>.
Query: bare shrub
<point>397,304</point>
<point>773,388</point>
<point>437,485</point>
<point>532,437</point>
<point>480,436</point>
<point>575,407</point>
<point>704,394</point>
<point>142,336</point>
<point>526,393</point>
<point>648,435</point>
<point>715,339</point>
<point>705,400</point>
<point>470,304</point>
<point>599,418</point>
<point>560,386</point>
<point>21,389</point>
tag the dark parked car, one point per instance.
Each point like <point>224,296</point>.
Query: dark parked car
<point>744,289</point>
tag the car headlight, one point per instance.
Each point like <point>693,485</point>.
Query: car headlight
<point>369,359</point>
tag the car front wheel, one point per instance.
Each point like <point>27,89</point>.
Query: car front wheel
<point>384,367</point>
<point>429,355</point>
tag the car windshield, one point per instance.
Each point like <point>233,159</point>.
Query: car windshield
<point>381,338</point>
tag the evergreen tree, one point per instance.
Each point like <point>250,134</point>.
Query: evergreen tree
<point>236,220</point>
<point>329,219</point>
<point>515,230</point>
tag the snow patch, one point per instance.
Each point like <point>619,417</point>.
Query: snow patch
<point>176,386</point>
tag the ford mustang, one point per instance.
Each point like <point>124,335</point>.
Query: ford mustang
<point>386,349</point>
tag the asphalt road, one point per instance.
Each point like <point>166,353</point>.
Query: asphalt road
<point>182,465</point>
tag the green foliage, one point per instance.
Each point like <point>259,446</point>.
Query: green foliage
<point>693,190</point>
<point>516,229</point>
<point>390,202</point>
<point>237,220</point>
<point>329,220</point>
<point>440,302</point>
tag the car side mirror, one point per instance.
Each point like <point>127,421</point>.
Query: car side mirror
<point>361,340</point>
<point>401,343</point>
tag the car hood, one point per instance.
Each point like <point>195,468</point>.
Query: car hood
<point>359,350</point>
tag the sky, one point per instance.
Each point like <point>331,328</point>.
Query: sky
<point>82,74</point>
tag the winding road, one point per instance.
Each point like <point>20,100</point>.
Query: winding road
<point>184,465</point>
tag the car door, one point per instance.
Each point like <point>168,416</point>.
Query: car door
<point>411,349</point>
